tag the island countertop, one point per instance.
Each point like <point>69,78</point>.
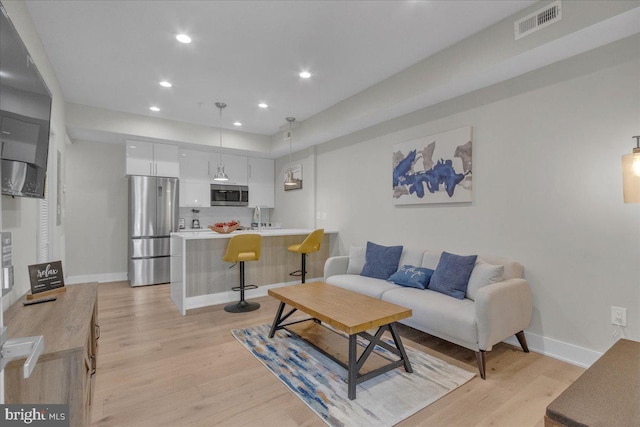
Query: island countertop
<point>271,232</point>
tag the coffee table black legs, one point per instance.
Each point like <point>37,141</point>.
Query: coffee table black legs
<point>354,363</point>
<point>400,347</point>
<point>276,320</point>
<point>352,367</point>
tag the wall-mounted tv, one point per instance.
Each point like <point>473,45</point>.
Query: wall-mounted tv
<point>25,117</point>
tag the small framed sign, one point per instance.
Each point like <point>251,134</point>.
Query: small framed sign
<point>46,279</point>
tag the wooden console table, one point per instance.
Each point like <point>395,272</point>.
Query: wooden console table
<point>606,394</point>
<point>65,371</point>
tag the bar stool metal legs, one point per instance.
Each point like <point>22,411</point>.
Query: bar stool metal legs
<point>241,248</point>
<point>242,306</point>
<point>303,272</point>
<point>310,244</point>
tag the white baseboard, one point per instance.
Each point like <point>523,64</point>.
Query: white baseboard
<point>107,277</point>
<point>560,350</point>
<point>231,296</point>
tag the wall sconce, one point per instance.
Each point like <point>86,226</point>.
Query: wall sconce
<point>631,174</point>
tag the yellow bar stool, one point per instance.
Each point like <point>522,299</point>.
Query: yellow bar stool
<point>241,248</point>
<point>310,244</point>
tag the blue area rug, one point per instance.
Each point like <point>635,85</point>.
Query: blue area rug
<point>322,384</point>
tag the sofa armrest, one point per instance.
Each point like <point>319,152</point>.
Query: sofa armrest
<point>502,309</point>
<point>335,265</point>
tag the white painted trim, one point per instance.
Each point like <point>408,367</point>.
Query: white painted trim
<point>560,350</point>
<point>106,277</point>
<point>231,296</point>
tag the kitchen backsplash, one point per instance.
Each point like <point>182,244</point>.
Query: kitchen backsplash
<point>211,215</point>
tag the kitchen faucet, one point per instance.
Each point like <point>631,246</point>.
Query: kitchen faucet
<point>258,213</point>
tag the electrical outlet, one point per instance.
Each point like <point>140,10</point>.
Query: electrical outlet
<point>618,316</point>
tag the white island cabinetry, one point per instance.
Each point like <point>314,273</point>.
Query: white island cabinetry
<point>200,278</point>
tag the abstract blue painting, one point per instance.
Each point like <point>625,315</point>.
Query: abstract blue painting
<point>434,169</point>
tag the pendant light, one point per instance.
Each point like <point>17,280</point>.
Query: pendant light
<point>631,174</point>
<point>220,176</point>
<point>290,181</point>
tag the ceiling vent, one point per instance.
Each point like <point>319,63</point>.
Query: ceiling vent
<point>538,20</point>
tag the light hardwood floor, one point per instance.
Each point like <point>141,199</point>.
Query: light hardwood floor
<point>158,368</point>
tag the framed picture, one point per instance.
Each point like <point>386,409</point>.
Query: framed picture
<point>433,169</point>
<point>293,173</point>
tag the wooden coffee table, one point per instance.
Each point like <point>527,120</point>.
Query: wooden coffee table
<point>351,313</point>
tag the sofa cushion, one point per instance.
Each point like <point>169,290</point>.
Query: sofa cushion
<point>512,269</point>
<point>356,260</point>
<point>363,285</point>
<point>430,259</point>
<point>451,276</point>
<point>381,261</point>
<point>437,313</point>
<point>483,274</point>
<point>411,257</point>
<point>413,277</point>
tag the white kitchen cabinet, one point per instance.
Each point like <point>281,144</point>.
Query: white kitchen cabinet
<point>194,165</point>
<point>261,173</point>
<point>194,194</point>
<point>147,158</point>
<point>234,166</point>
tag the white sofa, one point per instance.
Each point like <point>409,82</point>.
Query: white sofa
<point>487,315</point>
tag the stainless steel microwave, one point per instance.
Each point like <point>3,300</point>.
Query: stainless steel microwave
<point>229,195</point>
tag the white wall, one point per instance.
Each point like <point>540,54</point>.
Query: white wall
<point>296,208</point>
<point>547,189</point>
<point>96,220</point>
<point>20,215</point>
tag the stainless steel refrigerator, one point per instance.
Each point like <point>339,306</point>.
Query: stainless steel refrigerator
<point>153,214</point>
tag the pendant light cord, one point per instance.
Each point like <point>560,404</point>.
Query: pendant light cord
<point>290,120</point>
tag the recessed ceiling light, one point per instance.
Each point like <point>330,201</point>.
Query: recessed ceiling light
<point>183,38</point>
<point>305,74</point>
<point>263,105</point>
<point>165,83</point>
<point>237,124</point>
<point>154,108</point>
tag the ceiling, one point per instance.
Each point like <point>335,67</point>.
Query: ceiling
<point>113,54</point>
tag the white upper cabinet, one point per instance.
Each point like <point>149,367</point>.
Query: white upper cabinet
<point>194,165</point>
<point>195,194</point>
<point>195,190</point>
<point>261,182</point>
<point>147,158</point>
<point>234,166</point>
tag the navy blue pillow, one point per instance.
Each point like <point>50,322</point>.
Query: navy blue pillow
<point>413,277</point>
<point>451,276</point>
<point>381,262</point>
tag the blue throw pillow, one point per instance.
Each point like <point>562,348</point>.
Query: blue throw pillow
<point>451,276</point>
<point>413,277</point>
<point>381,261</point>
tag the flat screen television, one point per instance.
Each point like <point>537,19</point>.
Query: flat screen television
<point>25,117</point>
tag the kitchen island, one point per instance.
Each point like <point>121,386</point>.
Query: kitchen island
<point>199,276</point>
